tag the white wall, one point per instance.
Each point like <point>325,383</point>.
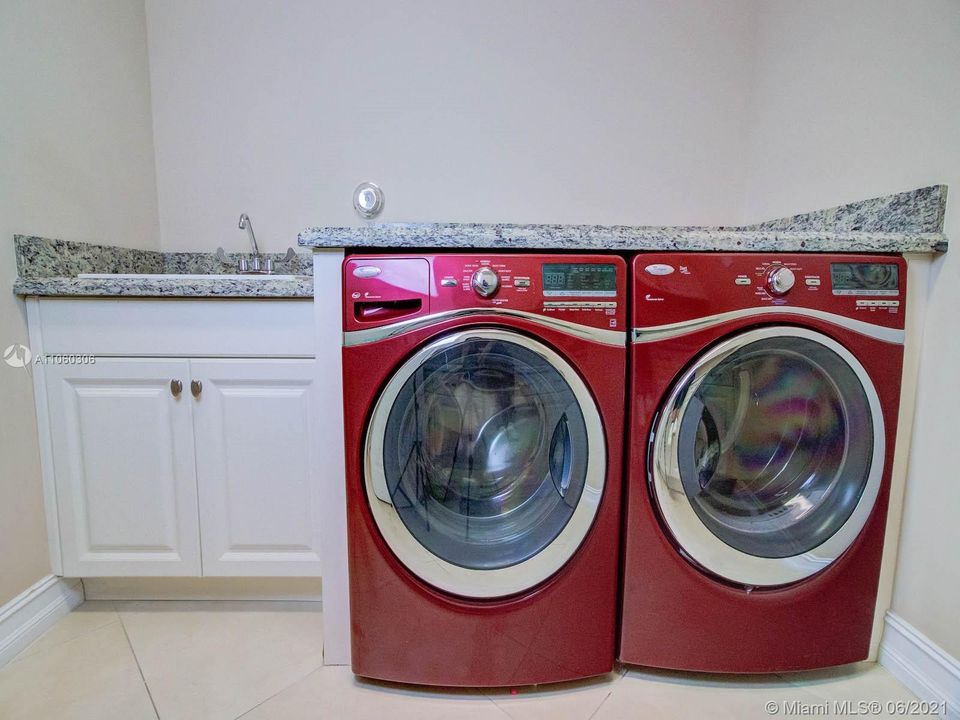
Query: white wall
<point>504,110</point>
<point>76,161</point>
<point>860,98</point>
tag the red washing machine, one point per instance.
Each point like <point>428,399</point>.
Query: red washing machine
<point>763,411</point>
<point>484,414</point>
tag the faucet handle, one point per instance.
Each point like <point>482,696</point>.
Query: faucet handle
<point>242,265</point>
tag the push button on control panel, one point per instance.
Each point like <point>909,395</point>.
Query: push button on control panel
<point>579,304</point>
<point>878,303</point>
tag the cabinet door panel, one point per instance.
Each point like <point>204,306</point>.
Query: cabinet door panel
<point>257,469</point>
<point>124,468</point>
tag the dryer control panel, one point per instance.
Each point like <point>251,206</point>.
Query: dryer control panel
<point>586,290</point>
<point>676,287</point>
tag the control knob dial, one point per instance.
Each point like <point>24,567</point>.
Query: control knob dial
<point>485,282</point>
<point>780,280</point>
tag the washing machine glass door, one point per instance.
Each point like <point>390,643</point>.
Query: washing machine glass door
<point>768,455</point>
<point>485,462</point>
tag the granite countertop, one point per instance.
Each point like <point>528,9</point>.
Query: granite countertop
<point>905,222</point>
<point>302,287</point>
<point>50,267</point>
<point>902,223</point>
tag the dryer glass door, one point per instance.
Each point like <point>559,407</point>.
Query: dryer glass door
<point>769,456</point>
<point>485,462</point>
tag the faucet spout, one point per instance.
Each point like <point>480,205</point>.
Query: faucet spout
<point>245,224</point>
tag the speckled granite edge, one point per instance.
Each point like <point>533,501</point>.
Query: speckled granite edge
<point>154,287</point>
<point>916,211</point>
<point>595,237</point>
<point>39,257</point>
<point>905,222</point>
<point>49,267</point>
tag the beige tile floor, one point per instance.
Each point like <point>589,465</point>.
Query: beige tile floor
<point>260,660</point>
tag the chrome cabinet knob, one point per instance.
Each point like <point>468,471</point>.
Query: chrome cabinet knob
<point>176,387</point>
<point>780,280</point>
<point>196,387</point>
<point>485,282</point>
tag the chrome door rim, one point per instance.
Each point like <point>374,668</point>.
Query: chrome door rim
<point>696,540</point>
<point>438,572</point>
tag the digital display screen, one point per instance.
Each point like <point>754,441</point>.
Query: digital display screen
<point>574,280</point>
<point>865,279</point>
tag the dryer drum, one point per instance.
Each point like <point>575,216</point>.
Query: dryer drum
<point>768,456</point>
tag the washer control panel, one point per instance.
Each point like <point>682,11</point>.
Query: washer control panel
<point>674,287</point>
<point>583,289</point>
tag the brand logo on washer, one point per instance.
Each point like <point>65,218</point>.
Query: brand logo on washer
<point>659,269</point>
<point>366,271</point>
<point>651,298</point>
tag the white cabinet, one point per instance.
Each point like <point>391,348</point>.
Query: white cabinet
<point>124,466</point>
<point>257,466</point>
<point>165,458</point>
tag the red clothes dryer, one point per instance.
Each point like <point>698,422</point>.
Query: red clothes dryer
<point>484,410</point>
<point>763,405</point>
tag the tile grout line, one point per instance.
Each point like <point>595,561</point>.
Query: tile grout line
<point>25,653</point>
<point>597,709</point>
<point>620,673</point>
<point>623,670</point>
<point>143,679</point>
<point>281,690</point>
<point>500,707</point>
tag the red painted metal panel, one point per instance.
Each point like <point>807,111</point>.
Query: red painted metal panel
<point>422,277</point>
<point>674,615</point>
<point>702,284</point>
<point>403,629</point>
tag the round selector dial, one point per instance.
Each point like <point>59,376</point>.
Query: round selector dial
<point>485,282</point>
<point>780,280</point>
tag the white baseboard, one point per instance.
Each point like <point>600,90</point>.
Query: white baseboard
<point>206,588</point>
<point>34,611</point>
<point>926,669</point>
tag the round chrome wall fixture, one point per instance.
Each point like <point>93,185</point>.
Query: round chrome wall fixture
<point>368,200</point>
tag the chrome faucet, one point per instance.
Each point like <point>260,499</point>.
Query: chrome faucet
<point>245,224</point>
<point>259,264</point>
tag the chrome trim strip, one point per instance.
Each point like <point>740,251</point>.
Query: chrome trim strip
<point>617,338</point>
<point>684,524</point>
<point>465,581</point>
<point>662,332</point>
